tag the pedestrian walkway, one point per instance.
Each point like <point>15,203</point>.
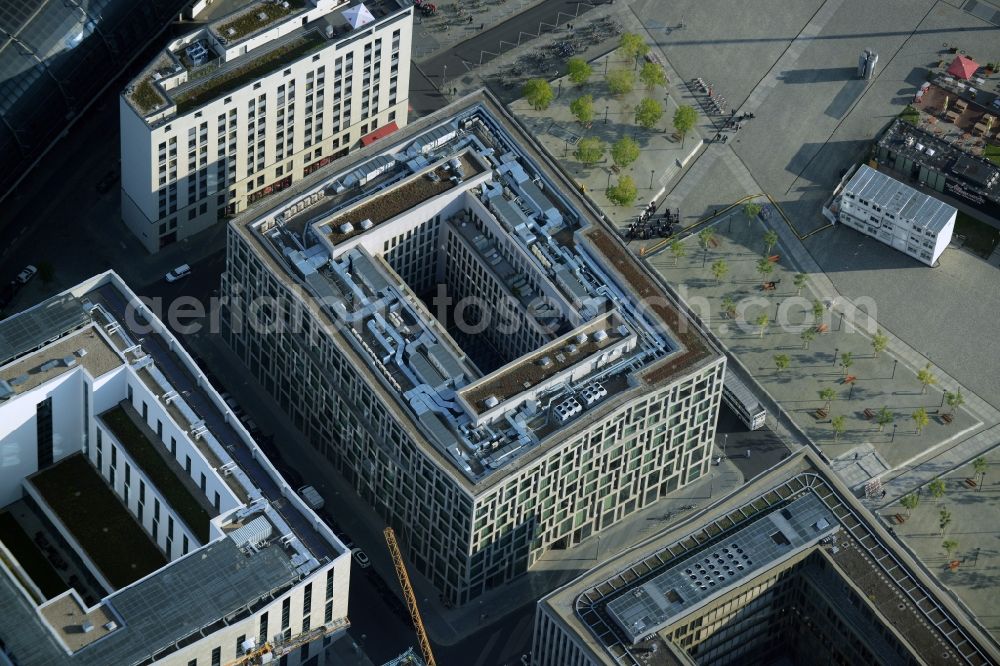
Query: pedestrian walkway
<point>454,23</point>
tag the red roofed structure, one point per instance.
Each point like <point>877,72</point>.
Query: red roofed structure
<point>963,67</point>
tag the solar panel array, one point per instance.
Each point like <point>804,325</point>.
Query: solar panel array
<point>697,579</point>
<point>32,328</point>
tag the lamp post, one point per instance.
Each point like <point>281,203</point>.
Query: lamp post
<point>893,438</point>
<point>725,441</point>
<point>835,350</point>
<point>444,75</point>
<point>609,179</point>
<point>606,107</point>
<point>651,173</point>
<point>894,362</point>
<point>850,394</point>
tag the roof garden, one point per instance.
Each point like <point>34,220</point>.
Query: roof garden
<point>256,18</point>
<point>156,468</point>
<point>397,200</point>
<point>30,557</point>
<point>100,523</point>
<point>529,371</point>
<point>228,78</point>
<point>146,97</point>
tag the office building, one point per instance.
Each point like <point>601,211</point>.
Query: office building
<point>141,524</point>
<point>943,166</point>
<point>452,326</point>
<point>253,101</point>
<point>896,214</point>
<point>790,568</point>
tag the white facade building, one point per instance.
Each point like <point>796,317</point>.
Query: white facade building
<point>141,523</point>
<point>898,215</point>
<point>254,101</point>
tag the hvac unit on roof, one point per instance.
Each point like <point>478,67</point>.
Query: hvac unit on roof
<point>367,223</point>
<point>491,402</point>
<point>600,335</point>
<point>346,228</point>
<point>545,361</point>
<point>581,338</point>
<point>930,152</point>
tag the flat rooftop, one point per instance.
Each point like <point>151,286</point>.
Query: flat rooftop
<point>473,168</point>
<point>798,508</point>
<point>899,199</point>
<point>102,526</point>
<point>243,46</point>
<point>976,173</point>
<point>157,606</point>
<point>84,348</point>
<point>697,579</point>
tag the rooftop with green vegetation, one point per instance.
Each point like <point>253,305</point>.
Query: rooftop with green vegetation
<point>98,521</point>
<point>230,77</point>
<point>145,96</point>
<point>254,19</point>
<point>156,468</point>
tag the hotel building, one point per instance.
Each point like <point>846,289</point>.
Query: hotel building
<point>252,102</point>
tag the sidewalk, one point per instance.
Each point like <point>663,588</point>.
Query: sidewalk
<point>447,28</point>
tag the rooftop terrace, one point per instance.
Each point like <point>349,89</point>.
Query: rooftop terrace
<point>102,526</point>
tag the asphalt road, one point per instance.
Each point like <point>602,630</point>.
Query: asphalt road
<point>732,436</point>
<point>459,60</point>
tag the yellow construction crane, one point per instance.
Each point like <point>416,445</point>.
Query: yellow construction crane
<point>276,650</point>
<point>411,600</point>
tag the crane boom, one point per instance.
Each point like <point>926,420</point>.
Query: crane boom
<point>411,600</point>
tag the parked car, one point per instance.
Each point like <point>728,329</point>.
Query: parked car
<point>360,558</point>
<point>178,273</point>
<point>26,275</point>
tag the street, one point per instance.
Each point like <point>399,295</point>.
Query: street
<point>735,441</point>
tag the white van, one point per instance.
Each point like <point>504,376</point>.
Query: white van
<point>181,271</point>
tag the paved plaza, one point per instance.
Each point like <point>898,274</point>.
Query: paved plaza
<point>661,153</point>
<point>975,513</point>
<point>880,381</point>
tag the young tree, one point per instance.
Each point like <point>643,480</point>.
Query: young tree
<point>954,400</point>
<point>624,192</point>
<point>800,280</point>
<point>781,362</point>
<point>937,488</point>
<point>705,238</point>
<point>770,240</point>
<point>652,75</point>
<point>582,109</point>
<point>944,519</point>
<point>590,150</point>
<point>633,45</point>
<point>807,336</point>
<point>846,360</point>
<point>677,249</point>
<point>949,546</point>
<point>884,418</point>
<point>926,378</point>
<point>920,418</point>
<point>762,321</point>
<point>684,119</point>
<point>765,268</point>
<point>539,93</point>
<point>620,82</point>
<point>839,425</point>
<point>980,466</point>
<point>879,342</point>
<point>751,209</point>
<point>719,270</point>
<point>827,395</point>
<point>624,152</point>
<point>729,306</point>
<point>648,112</point>
<point>578,70</point>
<point>818,310</point>
<point>909,502</point>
